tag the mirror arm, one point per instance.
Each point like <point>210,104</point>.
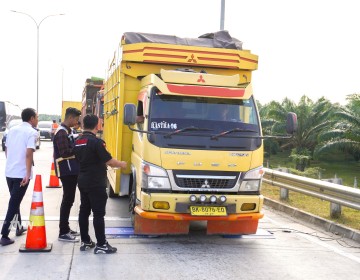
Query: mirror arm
<point>138,130</point>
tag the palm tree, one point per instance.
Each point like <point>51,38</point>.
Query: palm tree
<point>345,134</point>
<point>313,118</point>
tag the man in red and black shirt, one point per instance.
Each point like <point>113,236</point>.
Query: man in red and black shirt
<point>94,158</point>
<point>67,169</point>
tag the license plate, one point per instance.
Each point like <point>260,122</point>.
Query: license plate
<point>207,211</point>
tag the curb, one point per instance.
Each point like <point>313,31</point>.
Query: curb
<point>314,220</point>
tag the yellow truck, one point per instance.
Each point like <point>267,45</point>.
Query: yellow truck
<point>181,112</point>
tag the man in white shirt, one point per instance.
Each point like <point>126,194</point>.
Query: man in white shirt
<point>20,146</point>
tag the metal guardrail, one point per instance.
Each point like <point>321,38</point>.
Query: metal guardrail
<point>341,195</point>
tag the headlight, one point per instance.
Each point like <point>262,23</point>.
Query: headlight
<point>154,177</point>
<point>252,180</point>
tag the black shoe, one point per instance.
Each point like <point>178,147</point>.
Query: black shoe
<point>74,232</point>
<point>20,231</point>
<point>87,245</point>
<point>105,249</point>
<point>6,241</point>
<point>67,237</point>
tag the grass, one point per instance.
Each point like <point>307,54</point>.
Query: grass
<point>339,165</point>
<point>345,168</point>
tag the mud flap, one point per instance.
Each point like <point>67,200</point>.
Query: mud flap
<point>232,227</point>
<point>159,227</point>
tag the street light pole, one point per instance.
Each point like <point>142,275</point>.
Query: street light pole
<point>37,50</point>
<point>222,15</point>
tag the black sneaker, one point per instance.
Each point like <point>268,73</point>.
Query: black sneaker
<point>74,232</point>
<point>20,231</point>
<point>6,241</point>
<point>68,237</point>
<point>105,249</point>
<point>87,245</point>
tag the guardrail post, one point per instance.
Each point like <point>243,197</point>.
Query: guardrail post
<point>335,209</point>
<point>284,193</point>
<point>355,183</point>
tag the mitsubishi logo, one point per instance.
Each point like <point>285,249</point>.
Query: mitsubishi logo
<point>205,185</point>
<point>201,79</point>
<point>192,59</point>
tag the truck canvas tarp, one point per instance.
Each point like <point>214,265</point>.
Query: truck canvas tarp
<point>220,39</point>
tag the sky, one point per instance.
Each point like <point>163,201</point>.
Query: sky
<point>305,47</point>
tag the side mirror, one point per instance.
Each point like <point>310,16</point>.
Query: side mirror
<point>291,123</point>
<point>129,114</point>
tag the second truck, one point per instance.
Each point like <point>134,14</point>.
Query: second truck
<point>182,113</point>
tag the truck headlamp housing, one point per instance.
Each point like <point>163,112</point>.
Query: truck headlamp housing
<point>154,177</point>
<point>251,182</point>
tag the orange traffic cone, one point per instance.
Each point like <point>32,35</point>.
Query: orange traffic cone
<point>54,180</point>
<point>36,233</point>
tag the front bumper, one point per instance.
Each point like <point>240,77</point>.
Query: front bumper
<point>189,217</point>
<point>156,223</point>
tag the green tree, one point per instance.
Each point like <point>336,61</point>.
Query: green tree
<point>345,133</point>
<point>271,145</point>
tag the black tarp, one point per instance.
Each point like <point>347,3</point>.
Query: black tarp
<point>220,39</point>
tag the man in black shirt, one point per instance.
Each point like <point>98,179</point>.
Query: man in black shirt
<point>93,157</point>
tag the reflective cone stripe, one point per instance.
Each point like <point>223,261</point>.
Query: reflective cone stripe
<point>37,197</point>
<point>54,180</point>
<point>37,221</point>
<point>38,211</point>
<point>36,233</point>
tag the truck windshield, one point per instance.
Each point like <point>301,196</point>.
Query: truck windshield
<point>169,114</point>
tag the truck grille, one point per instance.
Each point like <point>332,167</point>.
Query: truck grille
<point>205,180</point>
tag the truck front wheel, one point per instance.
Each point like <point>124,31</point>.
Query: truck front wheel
<point>132,200</point>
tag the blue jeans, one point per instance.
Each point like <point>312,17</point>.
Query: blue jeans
<point>16,195</point>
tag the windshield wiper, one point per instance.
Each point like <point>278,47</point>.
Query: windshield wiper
<point>189,128</point>
<point>216,136</point>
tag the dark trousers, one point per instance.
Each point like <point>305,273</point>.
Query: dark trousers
<point>69,188</point>
<point>93,200</point>
<point>17,193</point>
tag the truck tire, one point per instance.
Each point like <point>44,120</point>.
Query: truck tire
<point>132,200</point>
<point>109,190</point>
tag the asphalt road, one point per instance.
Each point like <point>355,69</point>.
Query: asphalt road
<point>283,248</point>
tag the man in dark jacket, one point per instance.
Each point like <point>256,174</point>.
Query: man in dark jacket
<point>67,169</point>
<point>94,158</point>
